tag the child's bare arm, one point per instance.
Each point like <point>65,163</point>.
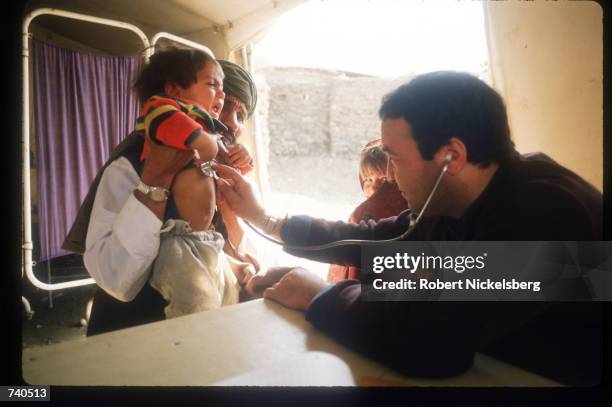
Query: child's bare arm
<point>206,145</point>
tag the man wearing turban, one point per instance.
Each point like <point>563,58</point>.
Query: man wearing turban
<point>240,102</point>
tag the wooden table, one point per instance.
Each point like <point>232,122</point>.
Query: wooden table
<point>217,346</point>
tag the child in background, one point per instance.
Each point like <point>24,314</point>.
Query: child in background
<point>372,171</point>
<point>383,199</point>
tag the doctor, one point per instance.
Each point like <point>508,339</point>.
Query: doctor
<point>453,127</point>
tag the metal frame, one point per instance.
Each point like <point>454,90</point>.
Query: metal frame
<point>180,40</point>
<point>26,305</point>
<point>27,245</point>
<point>246,53</point>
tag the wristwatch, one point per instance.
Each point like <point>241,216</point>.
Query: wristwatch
<point>156,194</point>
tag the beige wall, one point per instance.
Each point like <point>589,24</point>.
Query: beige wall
<point>213,39</point>
<point>546,60</point>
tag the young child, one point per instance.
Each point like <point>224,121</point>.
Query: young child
<point>182,94</point>
<point>383,199</point>
<point>372,168</point>
<point>181,90</point>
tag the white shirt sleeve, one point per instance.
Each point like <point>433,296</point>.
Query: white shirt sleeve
<point>123,234</point>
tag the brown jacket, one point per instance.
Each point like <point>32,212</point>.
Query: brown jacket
<point>384,203</point>
<point>130,147</point>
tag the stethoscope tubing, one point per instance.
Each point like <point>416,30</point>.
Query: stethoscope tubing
<point>414,221</point>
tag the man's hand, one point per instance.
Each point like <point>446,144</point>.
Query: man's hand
<point>239,194</point>
<point>255,286</point>
<point>245,273</point>
<point>296,289</point>
<point>240,157</point>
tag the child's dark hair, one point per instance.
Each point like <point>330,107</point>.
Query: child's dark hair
<point>372,158</point>
<point>174,65</point>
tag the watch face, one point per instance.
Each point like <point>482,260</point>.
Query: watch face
<point>158,194</point>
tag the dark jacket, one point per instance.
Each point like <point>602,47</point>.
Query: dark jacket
<point>528,198</point>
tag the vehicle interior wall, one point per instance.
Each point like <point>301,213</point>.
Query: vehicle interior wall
<point>547,60</point>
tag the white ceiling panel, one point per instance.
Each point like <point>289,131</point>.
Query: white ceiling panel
<point>240,20</point>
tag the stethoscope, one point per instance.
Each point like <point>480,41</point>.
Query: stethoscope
<point>413,222</point>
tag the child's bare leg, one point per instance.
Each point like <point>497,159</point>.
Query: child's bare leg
<point>194,196</point>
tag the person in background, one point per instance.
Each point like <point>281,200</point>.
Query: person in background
<point>372,169</point>
<point>239,105</point>
<point>383,199</point>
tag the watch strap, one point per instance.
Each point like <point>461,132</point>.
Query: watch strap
<point>156,194</point>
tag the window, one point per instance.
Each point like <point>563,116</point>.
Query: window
<point>323,69</point>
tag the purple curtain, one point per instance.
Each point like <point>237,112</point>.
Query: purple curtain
<point>82,107</point>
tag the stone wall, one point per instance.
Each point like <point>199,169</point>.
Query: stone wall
<point>353,112</point>
<point>320,112</point>
<point>314,123</point>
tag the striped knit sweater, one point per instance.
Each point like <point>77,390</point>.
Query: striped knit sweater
<point>173,122</point>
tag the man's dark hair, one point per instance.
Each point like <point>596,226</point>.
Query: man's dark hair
<point>172,64</point>
<point>445,104</point>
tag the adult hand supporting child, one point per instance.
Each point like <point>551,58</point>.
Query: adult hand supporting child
<point>160,168</point>
<point>163,163</point>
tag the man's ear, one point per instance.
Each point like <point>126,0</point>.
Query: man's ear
<point>172,89</point>
<point>455,154</point>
